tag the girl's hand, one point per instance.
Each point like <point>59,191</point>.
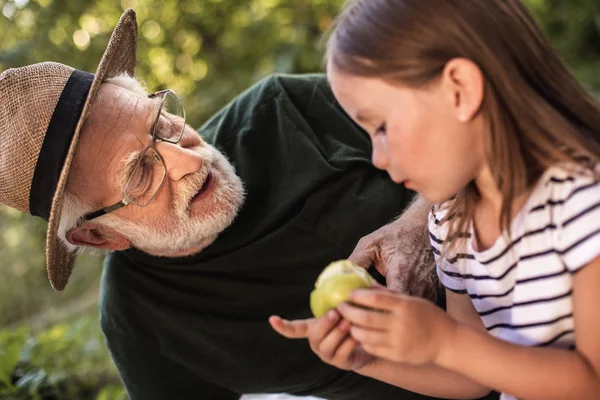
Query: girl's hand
<point>398,327</point>
<point>328,337</point>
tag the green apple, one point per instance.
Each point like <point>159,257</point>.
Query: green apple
<point>334,284</point>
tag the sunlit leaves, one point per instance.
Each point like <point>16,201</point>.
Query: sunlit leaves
<point>182,44</point>
<point>66,361</point>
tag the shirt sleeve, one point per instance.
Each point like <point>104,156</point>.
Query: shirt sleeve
<point>448,274</point>
<point>578,223</point>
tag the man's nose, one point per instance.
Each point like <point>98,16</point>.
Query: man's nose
<point>179,161</point>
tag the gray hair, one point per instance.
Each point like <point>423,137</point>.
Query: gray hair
<point>75,208</point>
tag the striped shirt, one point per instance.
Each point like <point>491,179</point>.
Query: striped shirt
<point>522,287</point>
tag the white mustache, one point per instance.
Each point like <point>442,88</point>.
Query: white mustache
<point>190,185</point>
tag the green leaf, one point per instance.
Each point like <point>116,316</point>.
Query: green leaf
<point>10,352</point>
<point>112,392</point>
<point>31,381</point>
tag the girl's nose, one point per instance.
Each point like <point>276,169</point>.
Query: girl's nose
<point>378,157</point>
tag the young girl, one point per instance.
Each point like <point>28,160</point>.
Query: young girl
<point>466,103</point>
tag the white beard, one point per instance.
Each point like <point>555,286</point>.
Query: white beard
<point>183,231</point>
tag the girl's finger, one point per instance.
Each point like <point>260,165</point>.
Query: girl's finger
<point>344,352</point>
<point>322,326</point>
<point>360,316</point>
<point>377,351</point>
<point>379,299</point>
<point>370,337</point>
<point>327,347</point>
<point>297,329</point>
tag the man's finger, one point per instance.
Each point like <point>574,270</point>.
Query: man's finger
<point>378,286</point>
<point>397,274</point>
<point>363,256</point>
<point>297,329</point>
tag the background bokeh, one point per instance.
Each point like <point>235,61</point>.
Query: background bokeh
<point>207,51</point>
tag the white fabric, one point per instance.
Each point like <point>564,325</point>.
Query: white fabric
<point>275,397</point>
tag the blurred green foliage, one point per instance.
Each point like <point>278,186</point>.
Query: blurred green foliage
<point>207,51</point>
<point>66,361</point>
<point>24,287</point>
<point>574,29</point>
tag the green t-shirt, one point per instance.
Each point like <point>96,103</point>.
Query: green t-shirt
<point>196,327</point>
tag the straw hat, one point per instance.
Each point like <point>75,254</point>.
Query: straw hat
<point>42,111</point>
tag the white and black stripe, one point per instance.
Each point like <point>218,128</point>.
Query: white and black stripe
<point>522,286</point>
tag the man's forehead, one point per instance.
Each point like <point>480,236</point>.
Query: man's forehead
<point>115,104</point>
<point>141,106</point>
<point>116,116</point>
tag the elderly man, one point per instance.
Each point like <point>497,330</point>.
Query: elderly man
<point>202,255</point>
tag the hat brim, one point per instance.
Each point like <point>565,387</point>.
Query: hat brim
<point>118,58</point>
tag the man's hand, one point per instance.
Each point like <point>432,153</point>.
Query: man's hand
<point>402,253</point>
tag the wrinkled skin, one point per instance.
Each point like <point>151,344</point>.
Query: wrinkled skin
<point>400,251</point>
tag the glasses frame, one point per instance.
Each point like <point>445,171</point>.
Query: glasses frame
<point>152,145</point>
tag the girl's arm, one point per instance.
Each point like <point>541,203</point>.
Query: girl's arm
<point>537,373</point>
<point>328,337</point>
<point>429,380</point>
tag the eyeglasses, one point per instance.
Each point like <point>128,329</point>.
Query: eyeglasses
<point>147,172</point>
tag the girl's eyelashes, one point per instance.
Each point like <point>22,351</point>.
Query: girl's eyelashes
<point>380,130</point>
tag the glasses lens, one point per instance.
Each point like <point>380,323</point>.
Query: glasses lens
<point>171,122</point>
<point>145,179</point>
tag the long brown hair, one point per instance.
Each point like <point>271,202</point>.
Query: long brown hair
<point>537,114</point>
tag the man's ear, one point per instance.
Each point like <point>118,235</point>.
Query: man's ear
<point>466,86</point>
<point>98,236</point>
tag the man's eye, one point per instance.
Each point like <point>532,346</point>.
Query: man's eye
<point>141,180</point>
<point>162,125</point>
<point>168,127</point>
<point>157,159</point>
<point>144,177</point>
